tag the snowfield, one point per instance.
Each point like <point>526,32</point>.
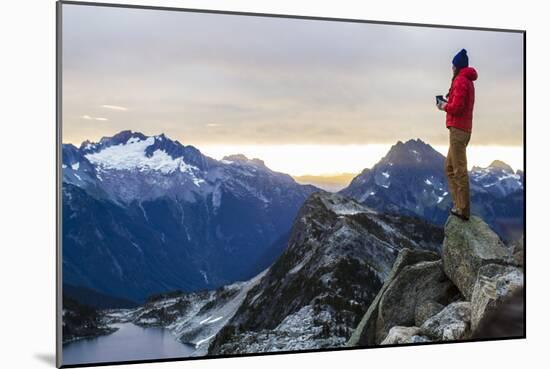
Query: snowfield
<point>131,156</point>
<point>342,206</point>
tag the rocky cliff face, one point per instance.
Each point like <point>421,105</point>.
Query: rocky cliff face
<point>457,297</point>
<point>338,255</point>
<point>467,247</point>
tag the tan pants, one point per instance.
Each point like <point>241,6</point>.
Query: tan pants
<point>456,168</point>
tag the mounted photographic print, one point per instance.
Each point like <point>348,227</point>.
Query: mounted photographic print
<point>240,184</point>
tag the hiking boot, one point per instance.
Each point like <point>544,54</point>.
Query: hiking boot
<point>459,214</point>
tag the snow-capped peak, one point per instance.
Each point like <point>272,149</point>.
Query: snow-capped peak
<point>497,164</point>
<point>130,154</point>
<point>495,167</point>
<point>498,178</point>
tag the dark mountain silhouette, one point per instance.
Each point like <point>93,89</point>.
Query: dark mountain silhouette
<point>410,180</point>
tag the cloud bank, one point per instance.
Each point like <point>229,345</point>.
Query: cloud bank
<point>230,79</point>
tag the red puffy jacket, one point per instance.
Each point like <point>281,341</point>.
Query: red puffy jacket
<point>460,106</point>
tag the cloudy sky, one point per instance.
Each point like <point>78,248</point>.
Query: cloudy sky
<point>307,96</point>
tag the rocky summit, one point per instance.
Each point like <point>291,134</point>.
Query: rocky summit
<point>467,247</point>
<point>461,296</point>
<point>314,295</point>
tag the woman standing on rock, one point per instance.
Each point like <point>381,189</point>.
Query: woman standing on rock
<point>459,109</point>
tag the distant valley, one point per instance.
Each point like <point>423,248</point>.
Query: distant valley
<point>327,182</point>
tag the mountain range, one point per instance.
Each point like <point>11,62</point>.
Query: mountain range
<point>411,180</point>
<point>232,257</point>
<point>147,214</point>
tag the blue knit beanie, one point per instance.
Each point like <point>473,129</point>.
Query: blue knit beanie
<point>461,59</point>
